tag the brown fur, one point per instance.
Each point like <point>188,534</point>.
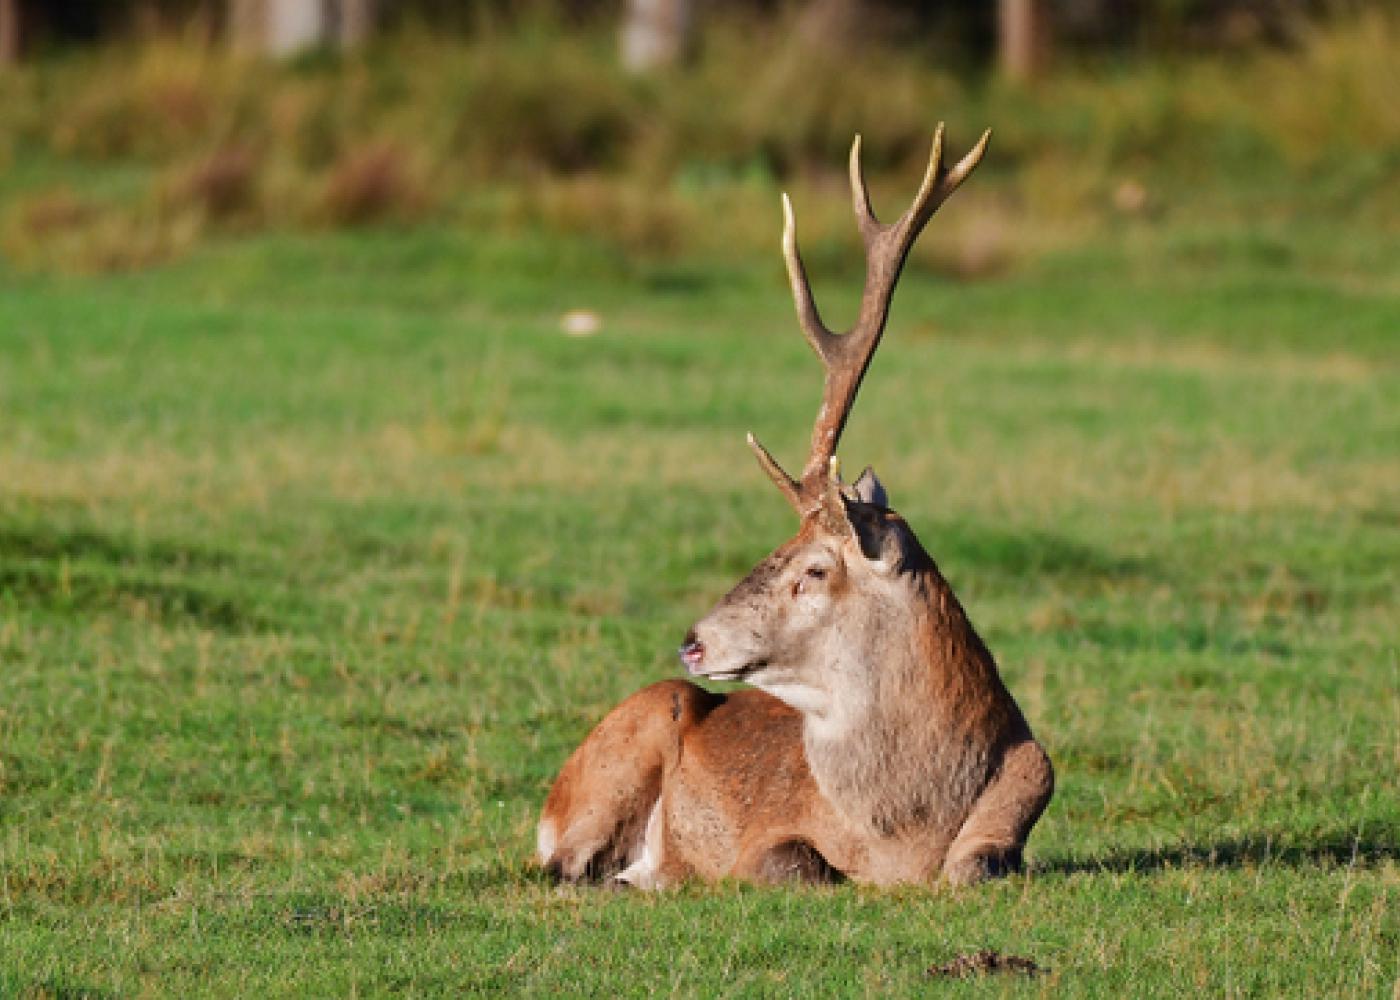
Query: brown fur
<point>936,773</point>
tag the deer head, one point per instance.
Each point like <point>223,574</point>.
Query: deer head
<point>812,621</point>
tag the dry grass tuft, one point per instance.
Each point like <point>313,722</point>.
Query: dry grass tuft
<point>375,182</point>
<point>62,233</point>
<point>52,212</point>
<point>221,186</point>
<point>1337,94</point>
<point>642,221</point>
<point>150,102</point>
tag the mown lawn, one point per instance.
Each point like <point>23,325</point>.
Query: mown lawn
<point>319,553</point>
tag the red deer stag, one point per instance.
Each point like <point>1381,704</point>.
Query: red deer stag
<point>880,744</point>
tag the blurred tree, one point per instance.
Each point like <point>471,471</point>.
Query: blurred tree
<point>9,31</point>
<point>1023,38</point>
<point>356,21</point>
<point>656,33</point>
<point>966,33</point>
<point>286,27</point>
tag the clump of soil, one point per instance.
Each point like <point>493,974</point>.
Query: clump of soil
<point>985,963</point>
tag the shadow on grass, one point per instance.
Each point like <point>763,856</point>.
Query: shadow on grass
<point>86,589</point>
<point>50,543</point>
<point>55,987</point>
<point>1240,852</point>
<point>992,549</point>
<point>70,570</point>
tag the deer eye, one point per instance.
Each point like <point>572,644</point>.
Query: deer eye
<point>810,574</point>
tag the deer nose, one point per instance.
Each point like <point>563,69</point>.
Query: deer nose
<point>692,652</point>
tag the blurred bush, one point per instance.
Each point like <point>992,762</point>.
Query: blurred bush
<point>532,124</point>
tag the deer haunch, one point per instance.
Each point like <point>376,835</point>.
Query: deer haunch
<point>671,783</point>
<point>881,744</point>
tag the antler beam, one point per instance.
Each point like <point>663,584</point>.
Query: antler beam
<point>845,357</point>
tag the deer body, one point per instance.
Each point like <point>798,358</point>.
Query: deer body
<point>880,743</point>
<point>908,755</point>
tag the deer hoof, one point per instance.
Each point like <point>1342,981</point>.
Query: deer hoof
<point>987,863</point>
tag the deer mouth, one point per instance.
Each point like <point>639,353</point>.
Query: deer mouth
<point>736,674</point>
<point>693,655</point>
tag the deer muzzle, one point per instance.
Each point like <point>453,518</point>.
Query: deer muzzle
<point>692,653</point>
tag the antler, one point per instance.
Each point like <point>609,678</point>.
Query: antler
<point>846,356</point>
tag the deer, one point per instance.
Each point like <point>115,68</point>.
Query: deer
<point>875,740</point>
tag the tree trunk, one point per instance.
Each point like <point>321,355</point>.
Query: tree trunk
<point>9,32</point>
<point>1023,29</point>
<point>355,20</point>
<point>295,25</point>
<point>833,25</point>
<point>286,27</point>
<point>656,34</point>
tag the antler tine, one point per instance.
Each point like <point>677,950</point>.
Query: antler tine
<point>822,340</point>
<point>939,183</point>
<point>860,196</point>
<point>781,479</point>
<point>931,176</point>
<point>871,227</point>
<point>968,163</point>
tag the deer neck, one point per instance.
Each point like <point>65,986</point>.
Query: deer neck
<point>915,712</point>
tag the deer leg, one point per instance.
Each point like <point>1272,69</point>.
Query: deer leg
<point>595,820</point>
<point>990,841</point>
<point>644,872</point>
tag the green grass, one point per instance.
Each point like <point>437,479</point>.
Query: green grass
<point>319,553</point>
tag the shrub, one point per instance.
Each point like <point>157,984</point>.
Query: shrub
<point>222,185</point>
<point>372,183</point>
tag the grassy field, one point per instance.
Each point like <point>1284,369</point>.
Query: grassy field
<point>319,552</point>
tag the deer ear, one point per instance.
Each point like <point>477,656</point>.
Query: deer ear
<point>876,533</point>
<point>869,489</point>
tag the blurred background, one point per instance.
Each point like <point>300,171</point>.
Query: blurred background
<point>133,130</point>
